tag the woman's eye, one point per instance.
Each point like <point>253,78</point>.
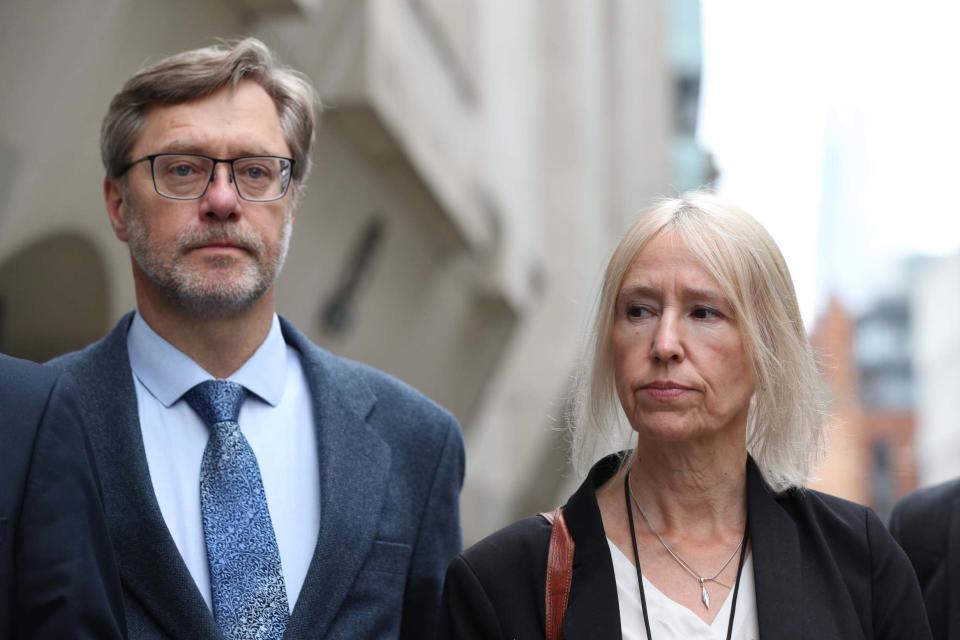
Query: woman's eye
<point>635,311</point>
<point>706,313</point>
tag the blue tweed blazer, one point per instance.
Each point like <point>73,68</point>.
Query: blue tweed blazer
<point>57,573</point>
<point>391,467</point>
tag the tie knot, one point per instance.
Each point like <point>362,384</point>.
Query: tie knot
<point>216,401</point>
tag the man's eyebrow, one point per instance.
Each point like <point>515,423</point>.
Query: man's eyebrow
<point>191,146</point>
<point>181,146</point>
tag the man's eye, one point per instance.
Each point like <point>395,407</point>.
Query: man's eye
<point>182,170</point>
<point>256,173</point>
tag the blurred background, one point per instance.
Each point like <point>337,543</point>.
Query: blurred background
<point>478,160</point>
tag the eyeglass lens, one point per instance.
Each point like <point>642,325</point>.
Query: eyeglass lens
<point>187,176</point>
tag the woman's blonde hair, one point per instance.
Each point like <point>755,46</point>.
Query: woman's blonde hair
<point>785,420</point>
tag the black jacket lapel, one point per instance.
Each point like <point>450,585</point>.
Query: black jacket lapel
<point>152,570</point>
<point>776,561</point>
<point>593,610</point>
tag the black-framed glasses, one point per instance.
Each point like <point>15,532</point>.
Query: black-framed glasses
<point>186,176</point>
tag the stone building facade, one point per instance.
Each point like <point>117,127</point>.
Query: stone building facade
<point>475,164</point>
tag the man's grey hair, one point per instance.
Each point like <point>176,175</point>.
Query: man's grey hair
<point>785,420</point>
<point>198,73</point>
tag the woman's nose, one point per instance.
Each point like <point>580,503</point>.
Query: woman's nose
<point>667,345</point>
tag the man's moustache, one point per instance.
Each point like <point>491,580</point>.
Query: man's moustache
<point>248,244</point>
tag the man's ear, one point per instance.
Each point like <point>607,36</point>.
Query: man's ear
<point>294,201</point>
<point>114,196</point>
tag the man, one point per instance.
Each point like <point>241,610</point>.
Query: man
<point>926,523</point>
<point>57,574</point>
<point>255,485</point>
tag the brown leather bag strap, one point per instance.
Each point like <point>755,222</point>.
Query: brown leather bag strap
<point>559,573</point>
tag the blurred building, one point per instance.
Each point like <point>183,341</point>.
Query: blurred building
<point>845,469</point>
<point>870,424</point>
<point>935,308</point>
<point>691,167</point>
<point>476,162</point>
<point>882,353</point>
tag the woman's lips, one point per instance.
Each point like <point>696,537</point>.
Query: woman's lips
<point>665,390</point>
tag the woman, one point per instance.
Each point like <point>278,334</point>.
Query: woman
<point>701,369</point>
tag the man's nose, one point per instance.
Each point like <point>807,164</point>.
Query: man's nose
<point>221,198</point>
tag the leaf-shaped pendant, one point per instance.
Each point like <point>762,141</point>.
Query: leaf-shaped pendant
<point>704,595</point>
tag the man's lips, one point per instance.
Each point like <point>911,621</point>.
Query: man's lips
<point>219,246</point>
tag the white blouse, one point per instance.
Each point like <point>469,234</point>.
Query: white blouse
<point>672,621</point>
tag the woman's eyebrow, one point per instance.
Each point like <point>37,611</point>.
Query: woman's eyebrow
<point>707,295</point>
<point>697,293</point>
<point>638,290</point>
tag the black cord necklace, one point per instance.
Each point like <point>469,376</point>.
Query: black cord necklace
<point>636,560</point>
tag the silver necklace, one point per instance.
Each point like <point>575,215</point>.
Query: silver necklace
<point>704,594</point>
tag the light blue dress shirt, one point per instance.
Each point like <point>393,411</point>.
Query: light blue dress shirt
<point>277,421</point>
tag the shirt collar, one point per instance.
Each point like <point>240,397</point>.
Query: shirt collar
<point>168,373</point>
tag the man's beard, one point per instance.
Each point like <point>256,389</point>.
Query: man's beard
<point>209,293</point>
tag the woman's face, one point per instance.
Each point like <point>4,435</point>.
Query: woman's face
<point>679,364</point>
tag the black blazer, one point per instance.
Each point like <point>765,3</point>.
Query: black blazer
<point>824,568</point>
<point>57,574</point>
<point>926,523</point>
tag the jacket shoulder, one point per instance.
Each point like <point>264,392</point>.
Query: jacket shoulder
<point>838,520</point>
<point>24,385</point>
<point>397,394</point>
<point>851,533</point>
<point>407,407</point>
<point>25,395</point>
<point>843,542</point>
<point>71,360</point>
<point>511,552</point>
<point>920,521</point>
<point>495,589</point>
<point>826,505</point>
<point>97,354</point>
<point>425,441</point>
<point>928,502</point>
<point>419,431</point>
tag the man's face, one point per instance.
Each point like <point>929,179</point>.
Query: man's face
<point>218,255</point>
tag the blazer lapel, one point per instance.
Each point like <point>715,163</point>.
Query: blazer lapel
<point>776,561</point>
<point>354,464</point>
<point>152,570</point>
<point>593,610</point>
<point>953,573</point>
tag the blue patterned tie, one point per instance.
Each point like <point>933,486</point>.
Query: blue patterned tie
<point>249,597</point>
